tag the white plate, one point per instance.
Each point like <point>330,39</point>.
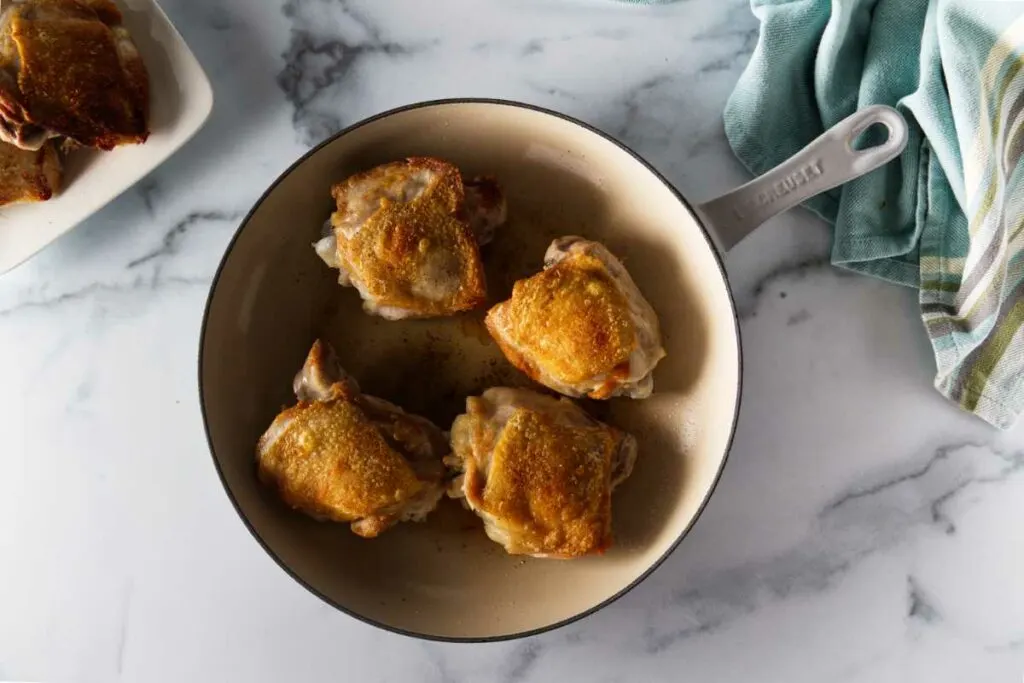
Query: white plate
<point>180,102</point>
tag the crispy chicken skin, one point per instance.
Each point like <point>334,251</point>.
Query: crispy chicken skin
<point>68,68</point>
<point>27,175</point>
<point>344,456</point>
<point>539,471</point>
<point>407,236</point>
<point>580,326</point>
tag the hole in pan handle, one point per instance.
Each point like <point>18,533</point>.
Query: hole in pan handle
<point>828,161</point>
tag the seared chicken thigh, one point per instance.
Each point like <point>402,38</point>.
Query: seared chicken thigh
<point>29,175</point>
<point>580,326</point>
<point>539,471</point>
<point>407,236</point>
<point>68,68</point>
<point>344,456</point>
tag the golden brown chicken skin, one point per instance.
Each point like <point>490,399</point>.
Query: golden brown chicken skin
<point>68,68</point>
<point>29,175</point>
<point>406,235</point>
<point>580,326</point>
<point>539,471</point>
<point>344,456</point>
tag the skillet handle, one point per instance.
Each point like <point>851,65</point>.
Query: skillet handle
<point>828,161</point>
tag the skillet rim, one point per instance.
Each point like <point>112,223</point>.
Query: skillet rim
<point>735,413</point>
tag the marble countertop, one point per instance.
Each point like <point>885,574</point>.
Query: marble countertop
<point>864,529</point>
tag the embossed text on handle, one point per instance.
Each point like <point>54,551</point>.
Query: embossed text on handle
<point>803,175</point>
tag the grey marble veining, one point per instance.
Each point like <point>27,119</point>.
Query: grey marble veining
<point>864,530</point>
<point>330,49</point>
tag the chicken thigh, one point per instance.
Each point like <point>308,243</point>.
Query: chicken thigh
<point>344,456</point>
<point>580,326</point>
<point>407,236</point>
<point>29,175</point>
<point>68,68</point>
<point>539,471</point>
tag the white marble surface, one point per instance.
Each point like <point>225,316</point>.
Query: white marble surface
<point>864,530</point>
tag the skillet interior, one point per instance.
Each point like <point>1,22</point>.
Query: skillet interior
<point>272,297</point>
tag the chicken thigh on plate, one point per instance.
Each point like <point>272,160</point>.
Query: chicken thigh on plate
<point>581,325</point>
<point>345,456</point>
<point>539,471</point>
<point>69,68</point>
<point>407,236</point>
<point>29,175</point>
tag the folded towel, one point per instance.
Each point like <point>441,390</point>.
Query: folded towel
<point>947,217</point>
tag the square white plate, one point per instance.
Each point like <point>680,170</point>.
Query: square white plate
<point>180,102</point>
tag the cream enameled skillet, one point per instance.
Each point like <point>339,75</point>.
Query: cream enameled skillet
<point>272,297</point>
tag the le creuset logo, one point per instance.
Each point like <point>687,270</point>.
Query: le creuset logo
<point>781,188</point>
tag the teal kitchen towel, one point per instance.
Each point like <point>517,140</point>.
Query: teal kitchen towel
<point>947,217</point>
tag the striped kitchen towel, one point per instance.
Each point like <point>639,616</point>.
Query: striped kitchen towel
<point>947,217</point>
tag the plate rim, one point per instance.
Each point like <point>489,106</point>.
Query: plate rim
<point>732,429</point>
